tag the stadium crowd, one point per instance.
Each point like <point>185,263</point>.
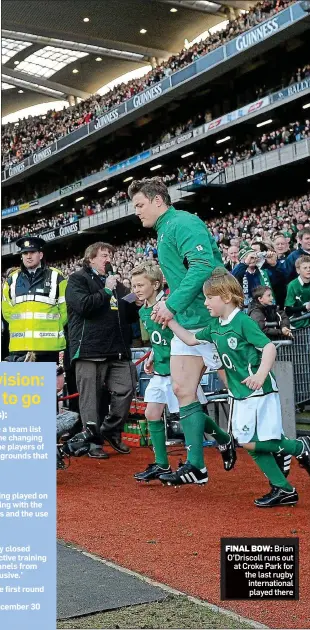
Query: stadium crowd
<point>19,140</point>
<point>269,141</point>
<point>259,224</point>
<point>197,119</point>
<point>231,231</point>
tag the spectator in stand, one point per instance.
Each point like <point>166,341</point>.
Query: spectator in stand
<point>263,310</point>
<point>297,303</point>
<point>281,246</point>
<point>233,257</point>
<point>289,266</point>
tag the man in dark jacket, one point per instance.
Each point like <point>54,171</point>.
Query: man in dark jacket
<point>99,342</point>
<point>264,312</point>
<point>303,250</point>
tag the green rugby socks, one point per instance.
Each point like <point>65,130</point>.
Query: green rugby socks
<point>158,437</point>
<point>286,446</point>
<point>268,465</point>
<point>192,420</point>
<point>213,429</point>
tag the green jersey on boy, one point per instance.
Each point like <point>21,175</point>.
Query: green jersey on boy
<point>298,294</point>
<point>160,340</point>
<point>239,342</point>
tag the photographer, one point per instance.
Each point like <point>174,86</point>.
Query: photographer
<point>99,343</point>
<point>257,267</point>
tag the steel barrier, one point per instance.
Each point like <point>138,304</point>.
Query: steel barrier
<point>297,352</point>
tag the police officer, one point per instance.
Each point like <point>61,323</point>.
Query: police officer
<point>34,304</point>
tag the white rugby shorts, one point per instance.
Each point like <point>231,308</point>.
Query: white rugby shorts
<point>159,390</point>
<point>206,350</point>
<point>257,413</point>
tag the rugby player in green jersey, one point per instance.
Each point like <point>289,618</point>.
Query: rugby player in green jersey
<point>187,256</point>
<point>248,356</point>
<point>147,283</point>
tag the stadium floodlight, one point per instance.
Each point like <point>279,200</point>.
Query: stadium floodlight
<point>265,122</point>
<point>154,168</point>
<point>128,179</point>
<point>223,139</point>
<point>103,189</point>
<point>187,154</point>
<point>306,106</point>
<point>80,198</point>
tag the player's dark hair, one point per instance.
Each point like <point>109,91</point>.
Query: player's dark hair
<point>150,188</point>
<point>223,284</point>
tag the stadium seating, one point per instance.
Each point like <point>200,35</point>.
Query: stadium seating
<point>20,141</point>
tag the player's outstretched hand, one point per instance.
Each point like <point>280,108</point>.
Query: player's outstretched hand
<point>254,382</point>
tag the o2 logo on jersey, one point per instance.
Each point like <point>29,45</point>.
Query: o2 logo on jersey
<point>232,342</point>
<point>227,362</point>
<point>157,338</point>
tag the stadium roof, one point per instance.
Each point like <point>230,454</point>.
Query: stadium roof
<point>51,49</point>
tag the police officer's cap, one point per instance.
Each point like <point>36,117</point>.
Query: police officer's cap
<point>30,244</point>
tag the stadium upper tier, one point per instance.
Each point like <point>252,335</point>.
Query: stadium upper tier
<point>35,138</point>
<point>83,174</point>
<point>67,223</point>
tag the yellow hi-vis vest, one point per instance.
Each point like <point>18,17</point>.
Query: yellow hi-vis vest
<point>37,312</point>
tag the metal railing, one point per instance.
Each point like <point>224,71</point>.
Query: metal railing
<point>298,353</point>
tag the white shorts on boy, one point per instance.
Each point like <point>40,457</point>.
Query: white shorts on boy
<point>257,413</point>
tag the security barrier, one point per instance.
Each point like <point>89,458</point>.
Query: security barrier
<point>297,352</point>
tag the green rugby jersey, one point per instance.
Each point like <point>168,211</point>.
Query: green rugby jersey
<point>160,340</point>
<point>298,294</point>
<point>187,255</point>
<point>239,342</point>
